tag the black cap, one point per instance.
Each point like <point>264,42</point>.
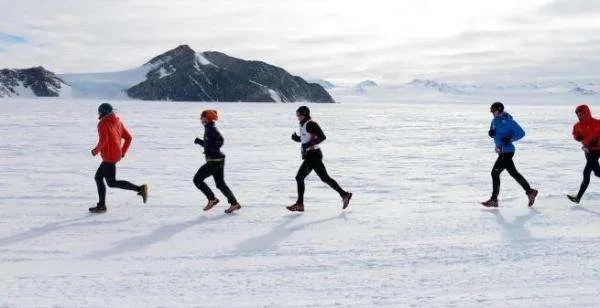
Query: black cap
<point>303,110</point>
<point>497,106</point>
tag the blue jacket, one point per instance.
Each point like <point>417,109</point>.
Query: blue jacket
<point>505,131</point>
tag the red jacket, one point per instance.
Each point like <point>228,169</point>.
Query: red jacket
<point>110,132</point>
<point>587,130</point>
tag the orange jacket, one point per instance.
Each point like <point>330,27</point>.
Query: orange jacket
<point>110,132</point>
<point>587,130</point>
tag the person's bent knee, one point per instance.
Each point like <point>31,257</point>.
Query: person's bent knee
<point>221,185</point>
<point>325,179</point>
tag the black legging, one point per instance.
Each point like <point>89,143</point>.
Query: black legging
<point>108,171</point>
<point>216,169</point>
<point>505,161</point>
<point>591,164</point>
<point>314,161</point>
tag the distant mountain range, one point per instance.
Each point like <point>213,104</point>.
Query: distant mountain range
<point>424,86</point>
<point>32,82</point>
<point>180,74</point>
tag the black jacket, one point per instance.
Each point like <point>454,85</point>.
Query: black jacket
<point>212,142</point>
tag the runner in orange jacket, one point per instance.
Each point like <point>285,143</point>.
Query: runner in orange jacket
<point>110,133</point>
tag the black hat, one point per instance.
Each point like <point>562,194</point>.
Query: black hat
<point>497,106</point>
<point>104,109</point>
<point>303,110</point>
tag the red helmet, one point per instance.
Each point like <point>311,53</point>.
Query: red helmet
<point>211,115</point>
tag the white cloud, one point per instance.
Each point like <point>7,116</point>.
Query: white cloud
<point>571,7</point>
<point>344,41</point>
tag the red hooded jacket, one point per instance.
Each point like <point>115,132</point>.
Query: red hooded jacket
<point>587,130</point>
<point>110,132</point>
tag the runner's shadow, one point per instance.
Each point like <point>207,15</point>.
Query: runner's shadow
<point>140,242</point>
<point>279,233</point>
<point>579,208</point>
<point>54,227</point>
<point>516,230</point>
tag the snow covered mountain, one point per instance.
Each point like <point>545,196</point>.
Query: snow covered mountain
<point>182,74</point>
<point>433,85</point>
<point>323,83</point>
<point>32,82</point>
<point>108,85</point>
<point>366,84</point>
<point>582,91</point>
<point>363,86</point>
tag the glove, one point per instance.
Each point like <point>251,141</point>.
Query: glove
<point>506,140</point>
<point>198,141</point>
<point>94,152</point>
<point>295,137</point>
<point>579,138</point>
<point>492,133</point>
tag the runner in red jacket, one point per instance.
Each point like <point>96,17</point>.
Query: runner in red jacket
<point>587,131</point>
<point>110,133</point>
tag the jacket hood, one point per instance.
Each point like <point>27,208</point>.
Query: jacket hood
<point>109,118</point>
<point>504,116</point>
<point>587,114</point>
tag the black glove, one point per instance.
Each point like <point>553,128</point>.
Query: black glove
<point>295,137</point>
<point>579,138</point>
<point>198,141</point>
<point>492,133</point>
<point>506,140</point>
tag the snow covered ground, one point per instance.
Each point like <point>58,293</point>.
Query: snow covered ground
<point>413,236</point>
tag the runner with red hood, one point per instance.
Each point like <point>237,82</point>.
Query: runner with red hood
<point>310,137</point>
<point>111,132</point>
<point>587,131</point>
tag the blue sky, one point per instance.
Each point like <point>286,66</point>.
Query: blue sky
<point>7,39</point>
<point>344,41</point>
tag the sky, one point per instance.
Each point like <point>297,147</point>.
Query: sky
<point>345,42</point>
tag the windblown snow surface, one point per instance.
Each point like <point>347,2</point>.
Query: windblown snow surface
<point>413,236</point>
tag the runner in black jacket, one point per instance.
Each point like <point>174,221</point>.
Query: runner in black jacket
<point>310,137</point>
<point>215,163</point>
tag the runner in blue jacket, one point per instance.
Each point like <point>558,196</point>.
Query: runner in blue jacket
<point>505,130</point>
